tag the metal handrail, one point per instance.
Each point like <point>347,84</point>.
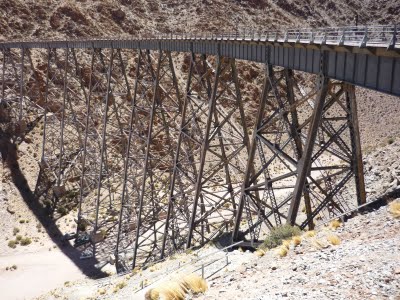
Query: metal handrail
<point>387,36</point>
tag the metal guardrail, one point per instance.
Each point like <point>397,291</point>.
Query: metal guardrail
<point>362,36</point>
<point>385,36</point>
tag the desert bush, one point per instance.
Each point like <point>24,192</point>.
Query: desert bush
<point>177,289</point>
<point>19,237</point>
<point>172,290</point>
<point>13,244</point>
<point>318,244</point>
<point>259,252</point>
<point>194,283</point>
<point>25,241</point>
<point>335,224</point>
<point>120,285</point>
<point>15,230</point>
<point>62,210</point>
<point>394,209</point>
<point>282,251</point>
<point>334,239</point>
<point>286,244</point>
<point>279,234</point>
<point>310,233</point>
<point>296,240</point>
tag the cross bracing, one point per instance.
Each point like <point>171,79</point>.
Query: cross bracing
<point>164,150</point>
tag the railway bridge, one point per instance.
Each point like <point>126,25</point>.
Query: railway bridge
<point>163,143</point>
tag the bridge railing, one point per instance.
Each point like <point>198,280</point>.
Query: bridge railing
<point>387,36</point>
<point>361,36</point>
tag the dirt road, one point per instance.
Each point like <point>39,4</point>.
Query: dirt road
<point>37,272</point>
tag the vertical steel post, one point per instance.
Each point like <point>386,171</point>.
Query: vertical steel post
<point>88,112</point>
<point>357,162</point>
<point>304,165</point>
<point>21,84</point>
<point>61,153</point>
<point>171,198</point>
<point>126,165</point>
<point>211,108</point>
<point>45,105</point>
<point>294,127</point>
<point>103,145</point>
<point>252,151</point>
<point>3,76</point>
<point>146,160</point>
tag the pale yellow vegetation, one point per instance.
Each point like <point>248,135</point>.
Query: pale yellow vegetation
<point>177,290</point>
<point>259,252</point>
<point>194,283</point>
<point>286,244</point>
<point>333,239</point>
<point>318,244</point>
<point>394,209</point>
<point>335,224</point>
<point>281,251</point>
<point>310,233</point>
<point>101,291</point>
<point>296,240</point>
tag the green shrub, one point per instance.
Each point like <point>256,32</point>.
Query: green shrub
<point>62,210</point>
<point>22,221</point>
<point>19,237</point>
<point>25,241</point>
<point>12,244</point>
<point>279,234</point>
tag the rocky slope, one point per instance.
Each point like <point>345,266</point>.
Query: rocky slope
<point>51,18</point>
<point>363,266</point>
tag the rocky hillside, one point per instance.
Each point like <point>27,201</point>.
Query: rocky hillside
<point>53,18</point>
<point>347,262</point>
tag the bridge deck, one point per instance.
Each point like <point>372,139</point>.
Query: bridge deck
<point>363,56</point>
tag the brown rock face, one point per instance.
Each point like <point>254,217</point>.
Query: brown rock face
<point>118,15</point>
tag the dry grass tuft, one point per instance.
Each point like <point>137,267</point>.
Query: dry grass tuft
<point>394,209</point>
<point>102,291</point>
<point>318,244</point>
<point>296,240</point>
<point>177,290</point>
<point>282,251</point>
<point>259,252</point>
<point>194,283</point>
<point>171,290</point>
<point>335,224</point>
<point>153,268</point>
<point>310,233</point>
<point>286,244</point>
<point>334,239</point>
<point>152,294</point>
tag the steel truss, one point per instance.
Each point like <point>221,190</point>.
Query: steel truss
<point>303,151</point>
<point>155,168</point>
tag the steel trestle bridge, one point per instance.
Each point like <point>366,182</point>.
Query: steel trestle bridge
<point>167,142</point>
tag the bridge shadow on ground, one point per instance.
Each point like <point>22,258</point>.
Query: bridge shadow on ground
<point>10,160</point>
